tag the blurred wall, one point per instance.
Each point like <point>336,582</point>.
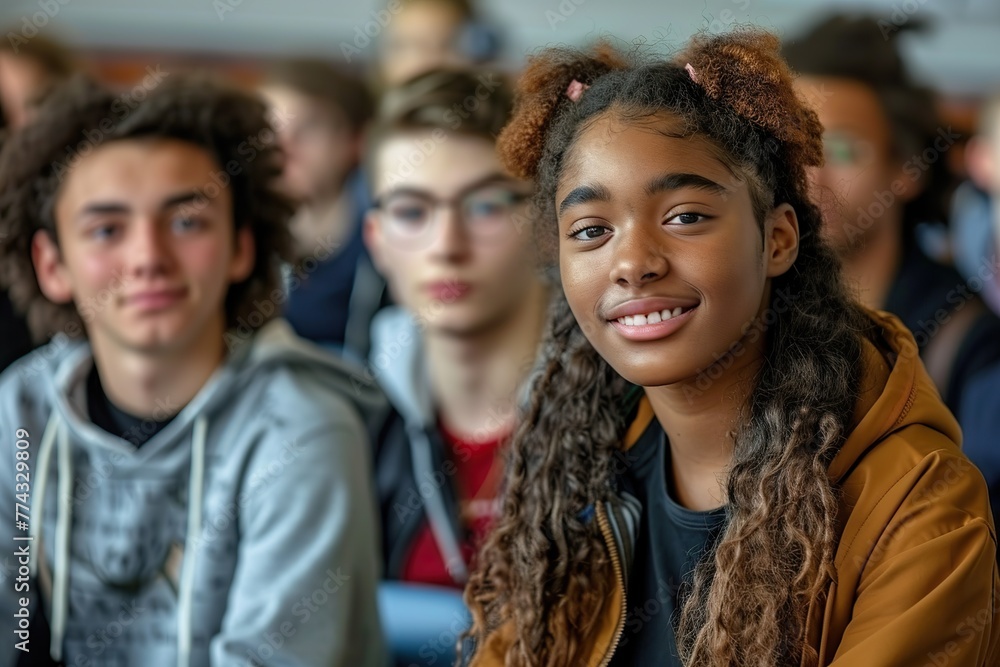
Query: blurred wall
<point>960,56</point>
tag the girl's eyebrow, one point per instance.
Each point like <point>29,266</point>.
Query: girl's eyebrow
<point>584,194</point>
<point>676,181</point>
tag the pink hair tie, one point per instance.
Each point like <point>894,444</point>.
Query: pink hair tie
<point>691,72</point>
<point>575,90</point>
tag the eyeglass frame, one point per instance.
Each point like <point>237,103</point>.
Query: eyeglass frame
<point>455,202</point>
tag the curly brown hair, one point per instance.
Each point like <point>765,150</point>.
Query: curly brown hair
<point>81,115</point>
<point>545,566</point>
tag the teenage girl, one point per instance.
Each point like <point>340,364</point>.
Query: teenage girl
<point>724,459</point>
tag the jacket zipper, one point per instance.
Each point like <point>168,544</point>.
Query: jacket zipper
<point>616,565</point>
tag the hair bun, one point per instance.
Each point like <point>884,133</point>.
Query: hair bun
<point>541,93</point>
<point>744,70</point>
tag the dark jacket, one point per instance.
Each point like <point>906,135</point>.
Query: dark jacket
<point>332,299</point>
<point>414,479</point>
<point>957,334</point>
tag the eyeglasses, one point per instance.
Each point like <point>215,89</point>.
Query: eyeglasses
<point>486,213</point>
<point>845,150</point>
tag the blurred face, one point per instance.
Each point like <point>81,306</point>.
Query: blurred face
<point>319,146</point>
<point>21,80</point>
<point>450,235</point>
<point>860,168</point>
<point>660,254</point>
<point>419,38</point>
<point>144,256</point>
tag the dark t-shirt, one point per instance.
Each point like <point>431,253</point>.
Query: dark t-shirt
<point>109,417</point>
<point>14,338</point>
<point>671,540</point>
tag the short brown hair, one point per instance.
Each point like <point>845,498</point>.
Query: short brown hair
<point>54,58</point>
<point>320,80</point>
<point>455,101</point>
<point>80,115</point>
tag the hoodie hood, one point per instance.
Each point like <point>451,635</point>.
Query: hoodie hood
<point>400,366</point>
<point>249,360</point>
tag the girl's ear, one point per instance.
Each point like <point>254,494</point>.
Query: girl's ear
<point>781,242</point>
<point>50,271</point>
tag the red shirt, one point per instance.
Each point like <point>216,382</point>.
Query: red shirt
<point>478,473</point>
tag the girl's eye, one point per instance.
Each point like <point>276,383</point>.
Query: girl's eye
<point>589,233</point>
<point>688,218</point>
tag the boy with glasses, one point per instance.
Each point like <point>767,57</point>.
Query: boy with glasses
<point>451,233</point>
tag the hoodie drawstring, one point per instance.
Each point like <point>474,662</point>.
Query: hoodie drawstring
<point>437,514</point>
<point>192,540</point>
<point>64,523</point>
<point>55,432</point>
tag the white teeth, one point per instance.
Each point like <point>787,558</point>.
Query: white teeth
<point>652,318</point>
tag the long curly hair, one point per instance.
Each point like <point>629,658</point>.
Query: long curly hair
<point>545,567</point>
<point>81,115</point>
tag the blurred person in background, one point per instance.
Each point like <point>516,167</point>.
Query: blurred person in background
<point>28,68</point>
<point>451,232</point>
<point>421,35</point>
<point>202,486</point>
<point>977,230</point>
<point>320,114</point>
<point>884,187</point>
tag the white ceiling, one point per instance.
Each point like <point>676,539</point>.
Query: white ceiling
<point>961,54</point>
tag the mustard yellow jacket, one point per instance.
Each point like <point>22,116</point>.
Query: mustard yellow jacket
<point>916,570</point>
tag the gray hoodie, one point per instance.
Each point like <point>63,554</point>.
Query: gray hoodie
<point>243,533</point>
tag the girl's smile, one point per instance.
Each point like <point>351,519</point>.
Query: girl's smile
<point>651,318</point>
